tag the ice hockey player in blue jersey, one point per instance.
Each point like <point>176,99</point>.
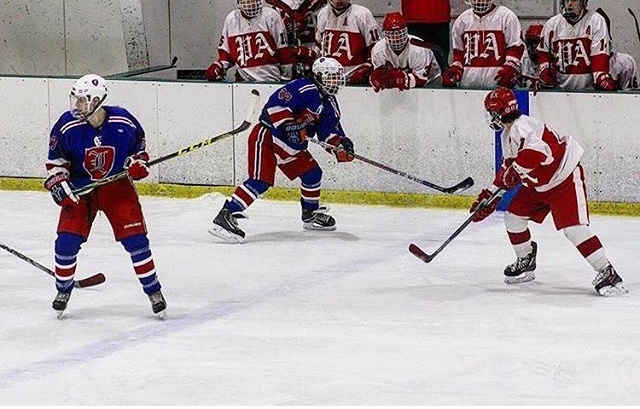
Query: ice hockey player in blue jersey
<point>88,143</point>
<point>301,109</point>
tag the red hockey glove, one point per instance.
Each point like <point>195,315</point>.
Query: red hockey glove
<point>61,190</point>
<point>304,54</point>
<point>136,166</point>
<point>452,76</point>
<point>508,75</point>
<point>507,178</point>
<point>487,208</point>
<point>345,151</point>
<point>377,78</point>
<point>344,145</point>
<point>604,82</point>
<point>548,76</point>
<point>215,72</point>
<point>396,78</point>
<point>360,75</point>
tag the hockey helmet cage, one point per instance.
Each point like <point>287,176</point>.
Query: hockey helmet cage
<point>395,30</point>
<point>329,74</point>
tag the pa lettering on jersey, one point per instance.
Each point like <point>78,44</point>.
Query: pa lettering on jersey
<point>484,48</point>
<point>339,45</point>
<point>253,49</point>
<point>572,55</point>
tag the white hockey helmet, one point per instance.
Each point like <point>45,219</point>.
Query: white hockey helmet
<point>250,8</point>
<point>329,75</point>
<point>479,6</point>
<point>87,94</point>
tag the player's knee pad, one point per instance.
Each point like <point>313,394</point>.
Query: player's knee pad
<point>577,234</point>
<point>136,244</point>
<point>68,244</point>
<point>257,187</point>
<point>312,178</point>
<point>515,224</point>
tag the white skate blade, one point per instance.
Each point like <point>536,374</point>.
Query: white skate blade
<point>521,278</point>
<point>612,291</point>
<point>59,314</point>
<point>225,235</point>
<point>315,227</point>
<point>162,314</point>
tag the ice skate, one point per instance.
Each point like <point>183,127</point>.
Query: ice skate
<point>317,220</point>
<point>225,227</point>
<point>608,283</point>
<point>521,271</point>
<point>158,304</point>
<point>59,303</point>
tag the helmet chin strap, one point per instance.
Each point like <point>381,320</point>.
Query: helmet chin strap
<point>91,114</point>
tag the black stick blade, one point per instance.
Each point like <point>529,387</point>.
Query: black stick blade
<point>460,187</point>
<point>90,281</point>
<point>417,251</point>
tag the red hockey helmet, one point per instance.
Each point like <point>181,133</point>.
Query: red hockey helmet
<point>533,34</point>
<point>395,30</point>
<point>532,39</point>
<point>500,103</point>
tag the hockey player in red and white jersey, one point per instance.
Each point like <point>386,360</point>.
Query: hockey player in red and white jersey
<point>487,48</point>
<point>299,18</point>
<point>254,39</point>
<point>347,32</point>
<point>624,70</point>
<point>622,66</point>
<point>399,61</point>
<point>574,53</point>
<point>530,65</point>
<point>547,165</point>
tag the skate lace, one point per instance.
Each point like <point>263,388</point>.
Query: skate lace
<point>604,276</point>
<point>520,263</point>
<point>156,298</point>
<point>62,296</point>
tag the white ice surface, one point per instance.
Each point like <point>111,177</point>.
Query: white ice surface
<point>316,318</point>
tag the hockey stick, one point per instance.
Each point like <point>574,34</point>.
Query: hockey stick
<point>418,252</point>
<point>464,185</point>
<point>147,70</point>
<point>241,128</point>
<point>636,20</point>
<point>85,282</point>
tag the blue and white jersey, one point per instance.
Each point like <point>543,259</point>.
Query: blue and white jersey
<point>300,101</point>
<point>88,154</point>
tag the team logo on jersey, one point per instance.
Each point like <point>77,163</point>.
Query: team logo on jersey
<point>98,161</point>
<point>485,48</point>
<point>572,55</point>
<point>284,95</point>
<point>253,49</point>
<point>53,142</point>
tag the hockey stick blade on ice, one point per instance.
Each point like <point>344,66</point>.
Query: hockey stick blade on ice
<point>241,128</point>
<point>464,185</point>
<point>84,283</point>
<point>422,255</point>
